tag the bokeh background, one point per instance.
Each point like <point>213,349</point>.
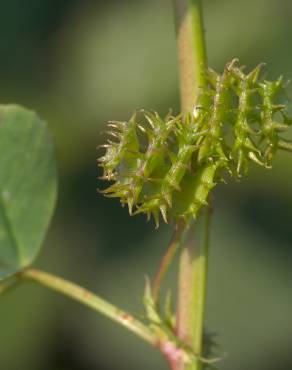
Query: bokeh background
<point>81,63</point>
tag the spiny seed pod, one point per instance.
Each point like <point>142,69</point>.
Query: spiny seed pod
<point>195,191</point>
<point>120,154</point>
<point>179,175</point>
<point>243,147</point>
<point>271,127</point>
<point>212,145</point>
<point>138,173</point>
<point>169,166</point>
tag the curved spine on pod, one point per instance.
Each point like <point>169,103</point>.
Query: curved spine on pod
<point>121,159</point>
<point>126,149</point>
<point>211,147</point>
<point>244,148</point>
<point>196,188</point>
<point>156,152</point>
<point>186,135</point>
<point>204,183</point>
<point>269,90</point>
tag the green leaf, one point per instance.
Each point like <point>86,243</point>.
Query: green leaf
<point>28,187</point>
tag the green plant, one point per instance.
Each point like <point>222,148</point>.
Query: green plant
<point>164,166</point>
<point>233,123</point>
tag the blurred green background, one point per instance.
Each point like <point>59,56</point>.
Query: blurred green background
<point>82,63</point>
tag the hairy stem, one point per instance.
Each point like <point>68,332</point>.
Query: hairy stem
<point>194,256</point>
<point>191,51</point>
<point>91,300</point>
<point>167,258</point>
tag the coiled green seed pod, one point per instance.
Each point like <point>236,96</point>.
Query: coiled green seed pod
<point>169,165</point>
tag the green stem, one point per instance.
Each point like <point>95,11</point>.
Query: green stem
<point>192,287</point>
<point>91,300</point>
<point>194,256</point>
<point>167,258</point>
<point>191,51</point>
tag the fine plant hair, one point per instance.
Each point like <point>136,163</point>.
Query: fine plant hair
<point>164,167</point>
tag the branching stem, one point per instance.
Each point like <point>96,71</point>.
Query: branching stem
<point>91,300</point>
<point>168,258</point>
<point>194,256</point>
